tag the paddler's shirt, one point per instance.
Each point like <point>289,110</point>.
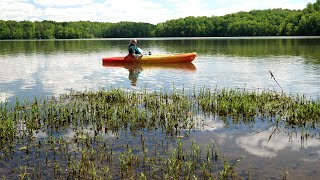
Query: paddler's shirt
<point>133,50</point>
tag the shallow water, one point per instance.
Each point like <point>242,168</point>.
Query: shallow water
<point>49,68</point>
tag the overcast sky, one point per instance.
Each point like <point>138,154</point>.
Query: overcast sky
<point>151,11</point>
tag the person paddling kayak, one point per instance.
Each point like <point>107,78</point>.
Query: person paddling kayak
<point>134,50</point>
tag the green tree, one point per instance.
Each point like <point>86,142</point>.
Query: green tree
<point>4,30</point>
<point>28,30</point>
<point>270,22</point>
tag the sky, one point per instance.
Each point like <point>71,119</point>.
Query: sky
<point>150,11</point>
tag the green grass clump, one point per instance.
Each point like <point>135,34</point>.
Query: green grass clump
<point>127,134</point>
<point>245,106</point>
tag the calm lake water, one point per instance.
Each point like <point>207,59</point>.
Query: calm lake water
<point>49,68</point>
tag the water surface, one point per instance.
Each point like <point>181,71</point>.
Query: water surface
<point>49,68</point>
<point>30,68</point>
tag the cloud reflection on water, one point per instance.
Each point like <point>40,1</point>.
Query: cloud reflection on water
<point>4,96</point>
<point>255,140</point>
<point>259,145</point>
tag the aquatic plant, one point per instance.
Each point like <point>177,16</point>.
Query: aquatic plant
<point>136,134</point>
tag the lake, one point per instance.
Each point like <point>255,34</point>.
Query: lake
<point>51,67</point>
<point>48,68</point>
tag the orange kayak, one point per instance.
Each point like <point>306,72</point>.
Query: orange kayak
<point>170,58</point>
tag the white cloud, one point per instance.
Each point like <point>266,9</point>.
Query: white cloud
<point>192,7</point>
<point>237,5</point>
<point>62,3</point>
<point>18,10</point>
<point>137,11</point>
<point>141,11</point>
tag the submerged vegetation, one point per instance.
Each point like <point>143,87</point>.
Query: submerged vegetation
<point>134,134</point>
<point>271,22</point>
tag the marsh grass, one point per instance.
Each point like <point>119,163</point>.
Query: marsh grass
<point>127,134</point>
<point>245,106</point>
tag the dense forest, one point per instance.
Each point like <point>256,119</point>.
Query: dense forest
<point>271,22</point>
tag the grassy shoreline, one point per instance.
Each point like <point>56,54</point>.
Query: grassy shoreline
<point>127,134</point>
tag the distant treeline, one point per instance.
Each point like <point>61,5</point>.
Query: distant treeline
<point>272,22</point>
